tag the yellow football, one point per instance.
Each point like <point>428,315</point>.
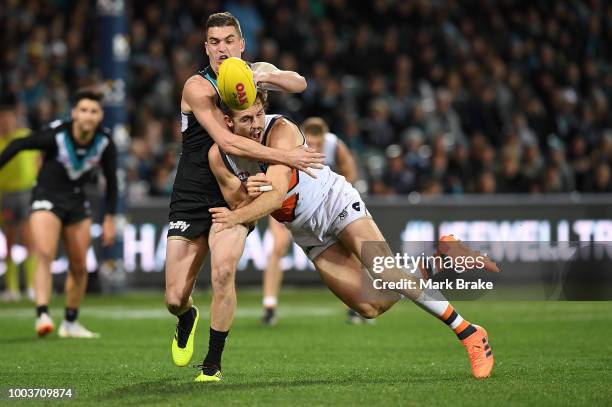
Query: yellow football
<point>236,84</point>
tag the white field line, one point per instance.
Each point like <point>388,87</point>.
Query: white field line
<point>142,313</point>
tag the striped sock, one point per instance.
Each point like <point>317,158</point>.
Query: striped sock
<point>434,302</point>
<point>460,326</point>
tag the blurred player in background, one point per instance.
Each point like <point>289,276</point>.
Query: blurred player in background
<point>195,190</point>
<point>339,158</point>
<point>330,223</point>
<point>72,151</point>
<point>16,181</point>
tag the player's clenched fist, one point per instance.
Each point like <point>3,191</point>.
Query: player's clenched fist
<point>258,183</point>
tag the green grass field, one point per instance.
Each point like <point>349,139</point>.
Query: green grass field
<point>547,353</point>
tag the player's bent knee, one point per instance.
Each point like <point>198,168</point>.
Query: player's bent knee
<point>176,301</point>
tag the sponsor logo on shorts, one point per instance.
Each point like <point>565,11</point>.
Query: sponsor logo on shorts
<point>42,205</point>
<point>357,206</point>
<point>343,214</point>
<point>180,225</point>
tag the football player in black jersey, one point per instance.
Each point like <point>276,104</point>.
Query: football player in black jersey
<point>72,151</point>
<point>196,190</point>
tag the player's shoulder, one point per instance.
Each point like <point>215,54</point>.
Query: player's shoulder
<point>280,132</point>
<point>280,122</point>
<point>198,84</point>
<point>106,133</point>
<point>56,126</point>
<point>50,130</point>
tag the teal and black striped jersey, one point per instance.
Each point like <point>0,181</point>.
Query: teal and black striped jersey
<point>67,164</point>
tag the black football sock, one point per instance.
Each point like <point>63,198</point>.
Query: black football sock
<point>42,309</point>
<point>216,343</point>
<point>187,318</point>
<point>184,326</point>
<point>71,314</point>
<point>270,313</point>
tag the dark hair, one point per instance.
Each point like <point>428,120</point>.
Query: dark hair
<point>262,97</point>
<point>224,19</point>
<point>90,94</point>
<point>315,126</point>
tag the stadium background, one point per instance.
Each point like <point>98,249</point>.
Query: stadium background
<point>437,100</point>
<point>481,116</point>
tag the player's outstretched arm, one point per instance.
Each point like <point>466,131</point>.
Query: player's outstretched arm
<point>35,141</point>
<point>199,95</point>
<point>269,77</point>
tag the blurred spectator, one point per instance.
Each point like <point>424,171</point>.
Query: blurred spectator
<point>486,183</point>
<point>510,178</point>
<point>602,179</point>
<point>398,178</point>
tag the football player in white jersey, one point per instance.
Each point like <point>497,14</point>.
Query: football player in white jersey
<point>330,222</point>
<point>340,159</point>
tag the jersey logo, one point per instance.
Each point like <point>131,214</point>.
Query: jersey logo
<point>357,206</point>
<point>343,214</point>
<point>43,205</point>
<point>68,155</point>
<point>180,225</point>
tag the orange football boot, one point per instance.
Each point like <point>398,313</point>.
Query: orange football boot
<point>480,353</point>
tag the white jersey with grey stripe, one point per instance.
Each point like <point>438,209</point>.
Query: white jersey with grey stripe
<point>305,192</point>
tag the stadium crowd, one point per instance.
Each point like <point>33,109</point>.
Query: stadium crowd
<point>432,96</point>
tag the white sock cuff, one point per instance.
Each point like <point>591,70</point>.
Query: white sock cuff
<point>432,303</point>
<point>270,301</point>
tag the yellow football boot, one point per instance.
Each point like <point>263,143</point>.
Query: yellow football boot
<point>182,343</point>
<point>209,374</point>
